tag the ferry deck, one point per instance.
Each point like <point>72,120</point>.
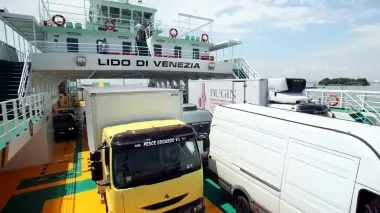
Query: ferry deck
<point>65,185</point>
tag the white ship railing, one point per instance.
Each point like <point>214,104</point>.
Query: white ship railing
<point>367,102</point>
<point>82,15</point>
<point>247,68</point>
<point>90,48</point>
<point>16,115</point>
<point>24,76</point>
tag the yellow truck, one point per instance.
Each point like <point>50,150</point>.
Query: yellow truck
<point>143,157</point>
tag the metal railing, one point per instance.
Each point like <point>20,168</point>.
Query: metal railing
<point>241,63</point>
<point>24,76</point>
<point>90,48</point>
<point>17,113</point>
<point>84,17</point>
<point>366,102</point>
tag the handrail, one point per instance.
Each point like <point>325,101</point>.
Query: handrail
<point>365,110</point>
<point>373,110</point>
<point>249,71</point>
<point>339,91</point>
<point>17,113</point>
<point>24,76</point>
<point>239,70</point>
<point>254,73</point>
<point>351,99</point>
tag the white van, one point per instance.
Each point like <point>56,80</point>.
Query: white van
<point>274,160</point>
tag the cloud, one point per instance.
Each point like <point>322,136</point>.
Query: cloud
<point>358,57</point>
<point>242,18</point>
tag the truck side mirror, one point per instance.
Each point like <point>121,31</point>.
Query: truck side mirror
<point>95,156</point>
<point>96,171</point>
<point>206,144</point>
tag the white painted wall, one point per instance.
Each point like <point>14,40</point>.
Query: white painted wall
<point>28,151</point>
<point>115,82</point>
<point>67,61</point>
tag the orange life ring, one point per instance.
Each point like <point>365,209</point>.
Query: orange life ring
<point>107,27</point>
<point>204,37</point>
<point>336,102</point>
<point>173,33</point>
<point>59,24</point>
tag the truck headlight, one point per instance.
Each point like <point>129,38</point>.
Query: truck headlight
<point>71,128</point>
<point>198,206</point>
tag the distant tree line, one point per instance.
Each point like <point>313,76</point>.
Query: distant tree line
<point>344,81</point>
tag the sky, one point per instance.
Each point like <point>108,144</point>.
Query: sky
<point>312,39</point>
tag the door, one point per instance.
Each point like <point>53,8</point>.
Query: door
<point>239,88</point>
<point>317,180</point>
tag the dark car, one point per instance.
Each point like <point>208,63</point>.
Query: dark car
<point>65,125</point>
<point>200,120</point>
<point>65,111</point>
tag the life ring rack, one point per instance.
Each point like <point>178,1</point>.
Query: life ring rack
<point>108,27</point>
<point>59,24</point>
<point>173,32</point>
<point>204,37</point>
<point>335,103</point>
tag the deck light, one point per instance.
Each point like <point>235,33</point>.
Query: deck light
<point>81,61</point>
<point>211,66</point>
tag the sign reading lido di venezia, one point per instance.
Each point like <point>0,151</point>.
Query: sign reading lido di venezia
<point>147,63</point>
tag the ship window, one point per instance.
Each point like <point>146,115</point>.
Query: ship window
<point>195,53</point>
<point>178,52</point>
<point>147,18</point>
<point>91,16</point>
<point>115,13</point>
<point>72,45</point>
<point>137,16</point>
<point>125,16</point>
<point>99,45</point>
<point>104,12</point>
<point>127,47</point>
<point>158,49</point>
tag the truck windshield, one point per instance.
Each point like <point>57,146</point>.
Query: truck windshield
<point>144,166</point>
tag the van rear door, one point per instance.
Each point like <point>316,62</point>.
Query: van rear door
<point>317,179</point>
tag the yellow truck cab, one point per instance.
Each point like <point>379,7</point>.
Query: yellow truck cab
<point>151,165</point>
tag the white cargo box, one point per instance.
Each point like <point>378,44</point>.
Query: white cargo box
<point>207,94</point>
<point>114,106</point>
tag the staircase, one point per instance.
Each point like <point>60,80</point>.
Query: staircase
<point>10,75</point>
<point>242,70</point>
<point>142,48</point>
<point>359,117</point>
<point>240,74</point>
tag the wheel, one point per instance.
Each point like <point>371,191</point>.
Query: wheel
<point>242,204</point>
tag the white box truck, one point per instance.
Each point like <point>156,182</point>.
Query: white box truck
<point>117,105</point>
<point>274,160</point>
<point>283,93</point>
<point>139,145</point>
<point>207,94</point>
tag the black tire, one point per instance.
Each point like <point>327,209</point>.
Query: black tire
<point>242,204</point>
